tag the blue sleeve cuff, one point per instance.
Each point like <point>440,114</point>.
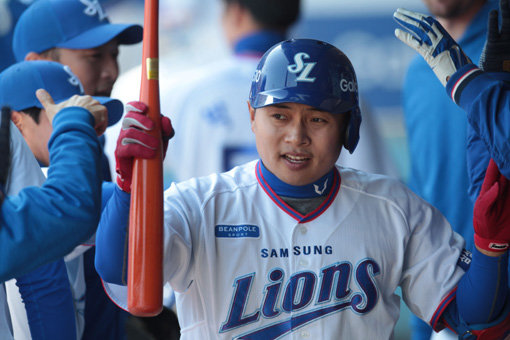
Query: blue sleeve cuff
<point>458,88</point>
<point>459,80</point>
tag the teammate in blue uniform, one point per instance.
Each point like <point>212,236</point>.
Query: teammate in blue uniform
<point>48,222</point>
<point>482,95</point>
<point>79,34</point>
<point>438,171</point>
<point>17,85</point>
<point>47,287</point>
<point>299,244</point>
<point>488,131</point>
<point>63,217</point>
<point>10,11</point>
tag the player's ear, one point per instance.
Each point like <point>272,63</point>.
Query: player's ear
<point>17,119</point>
<point>252,114</point>
<point>33,56</point>
<point>345,133</point>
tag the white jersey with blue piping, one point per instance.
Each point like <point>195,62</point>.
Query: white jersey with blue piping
<point>246,265</point>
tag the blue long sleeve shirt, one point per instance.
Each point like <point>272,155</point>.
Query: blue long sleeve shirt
<point>40,225</point>
<point>485,98</point>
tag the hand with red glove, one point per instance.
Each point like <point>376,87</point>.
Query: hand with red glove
<point>491,215</point>
<point>135,142</point>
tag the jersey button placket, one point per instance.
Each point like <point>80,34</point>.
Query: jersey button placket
<point>305,334</point>
<point>300,239</point>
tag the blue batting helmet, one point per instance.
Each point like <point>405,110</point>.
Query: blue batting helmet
<point>311,72</point>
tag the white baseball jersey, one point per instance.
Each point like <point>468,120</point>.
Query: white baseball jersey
<point>24,172</point>
<point>246,265</point>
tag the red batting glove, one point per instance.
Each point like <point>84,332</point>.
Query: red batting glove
<point>134,142</point>
<point>491,215</point>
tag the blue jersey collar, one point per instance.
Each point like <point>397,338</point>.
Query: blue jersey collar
<point>328,186</point>
<point>320,187</point>
<point>258,43</point>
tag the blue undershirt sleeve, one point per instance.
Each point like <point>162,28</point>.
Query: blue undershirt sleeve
<point>111,239</point>
<point>107,191</point>
<point>483,290</point>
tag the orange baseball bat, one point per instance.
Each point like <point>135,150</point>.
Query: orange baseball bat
<point>145,252</point>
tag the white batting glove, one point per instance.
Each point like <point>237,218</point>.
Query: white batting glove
<point>430,39</point>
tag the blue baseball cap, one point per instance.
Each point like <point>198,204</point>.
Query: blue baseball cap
<point>73,24</point>
<point>19,82</point>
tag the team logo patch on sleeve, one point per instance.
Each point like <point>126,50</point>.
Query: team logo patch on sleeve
<point>236,231</point>
<point>464,259</point>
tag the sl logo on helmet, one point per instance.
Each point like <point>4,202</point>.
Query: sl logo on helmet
<point>301,67</point>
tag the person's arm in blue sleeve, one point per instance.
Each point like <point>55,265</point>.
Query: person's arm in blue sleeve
<point>111,239</point>
<point>50,221</point>
<point>482,297</point>
<point>107,192</point>
<point>477,159</point>
<point>486,99</point>
<point>111,235</point>
<point>48,302</point>
<point>482,302</point>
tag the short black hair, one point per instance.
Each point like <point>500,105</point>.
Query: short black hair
<point>33,112</point>
<point>272,14</point>
<point>5,148</point>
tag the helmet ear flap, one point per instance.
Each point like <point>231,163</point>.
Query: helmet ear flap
<point>352,130</point>
<point>346,131</point>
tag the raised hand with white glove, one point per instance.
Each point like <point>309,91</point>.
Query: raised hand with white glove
<point>427,36</point>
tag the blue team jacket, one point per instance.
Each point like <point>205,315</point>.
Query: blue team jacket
<point>40,225</point>
<point>485,97</point>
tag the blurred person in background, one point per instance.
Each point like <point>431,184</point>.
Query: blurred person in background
<point>204,101</point>
<point>10,10</point>
<point>436,127</point>
<point>208,107</point>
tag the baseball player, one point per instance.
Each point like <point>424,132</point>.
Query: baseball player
<point>482,95</point>
<point>437,169</point>
<point>206,101</point>
<point>79,34</point>
<point>10,10</point>
<point>47,222</point>
<point>292,245</point>
<point>17,88</point>
<point>47,287</point>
